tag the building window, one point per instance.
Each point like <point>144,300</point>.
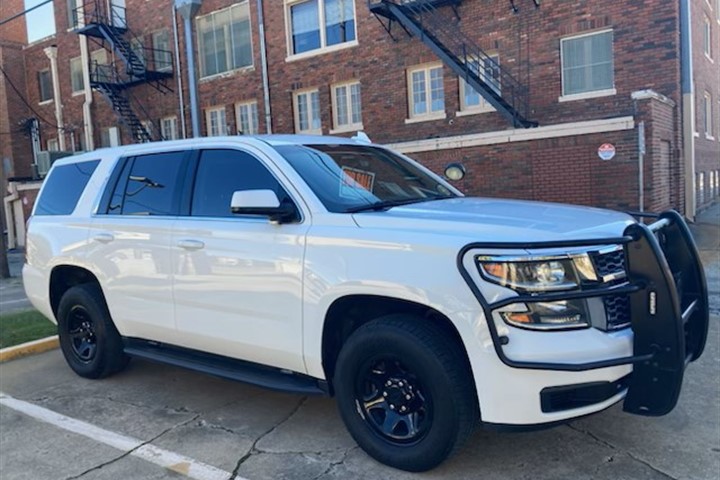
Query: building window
<point>216,122</point>
<point>708,116</point>
<point>110,137</point>
<point>587,63</point>
<point>347,106</point>
<point>77,81</point>
<point>488,70</point>
<point>246,115</point>
<point>224,38</point>
<point>53,145</point>
<point>307,112</point>
<point>74,12</point>
<point>317,24</point>
<point>162,55</point>
<point>707,37</point>
<point>168,128</point>
<point>46,86</point>
<point>426,92</point>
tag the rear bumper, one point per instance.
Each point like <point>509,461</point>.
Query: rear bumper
<point>669,320</point>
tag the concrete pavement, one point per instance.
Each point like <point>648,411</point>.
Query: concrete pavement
<point>12,294</point>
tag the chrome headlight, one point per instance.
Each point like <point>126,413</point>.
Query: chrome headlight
<point>531,276</point>
<point>550,274</point>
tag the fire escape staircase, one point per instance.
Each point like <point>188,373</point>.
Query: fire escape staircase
<point>107,25</point>
<point>441,33</point>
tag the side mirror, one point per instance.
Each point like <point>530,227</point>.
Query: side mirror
<point>264,203</point>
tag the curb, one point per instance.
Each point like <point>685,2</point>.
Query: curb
<point>29,348</point>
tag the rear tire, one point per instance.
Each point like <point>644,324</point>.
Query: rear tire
<point>405,392</point>
<point>89,340</point>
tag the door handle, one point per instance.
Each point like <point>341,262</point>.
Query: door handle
<point>103,237</point>
<point>191,244</point>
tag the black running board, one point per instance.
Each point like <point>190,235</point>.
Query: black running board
<point>226,367</point>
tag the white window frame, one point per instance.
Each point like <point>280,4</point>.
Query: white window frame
<point>484,105</point>
<point>82,76</point>
<point>350,126</point>
<point>221,125</point>
<point>707,37</point>
<point>52,87</point>
<point>173,131</point>
<point>324,48</point>
<point>296,111</point>
<point>153,38</point>
<point>606,92</point>
<point>429,114</point>
<point>253,120</point>
<point>708,116</point>
<point>53,145</point>
<point>229,53</point>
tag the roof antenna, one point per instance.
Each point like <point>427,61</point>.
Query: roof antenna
<point>361,136</point>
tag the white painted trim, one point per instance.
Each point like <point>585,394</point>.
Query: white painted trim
<point>427,118</point>
<point>608,92</point>
<point>175,462</point>
<point>321,51</point>
<point>517,135</point>
<point>475,111</point>
<point>651,94</point>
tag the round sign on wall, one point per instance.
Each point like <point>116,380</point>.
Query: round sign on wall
<point>606,151</point>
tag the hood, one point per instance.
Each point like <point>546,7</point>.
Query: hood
<point>498,220</point>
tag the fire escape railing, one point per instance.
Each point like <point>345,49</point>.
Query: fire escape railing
<point>481,71</point>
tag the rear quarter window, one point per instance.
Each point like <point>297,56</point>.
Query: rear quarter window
<point>63,188</point>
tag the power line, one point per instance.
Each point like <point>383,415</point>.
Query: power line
<point>3,22</point>
<point>7,77</point>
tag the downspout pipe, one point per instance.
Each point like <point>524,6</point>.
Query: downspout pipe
<point>87,104</point>
<point>181,95</point>
<point>688,106</point>
<point>263,62</point>
<point>51,53</point>
<point>188,9</point>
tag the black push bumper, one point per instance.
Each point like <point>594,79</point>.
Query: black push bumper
<point>668,304</point>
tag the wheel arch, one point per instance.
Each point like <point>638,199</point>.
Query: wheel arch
<point>63,278</point>
<point>346,314</point>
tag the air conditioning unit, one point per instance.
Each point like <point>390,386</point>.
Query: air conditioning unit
<point>46,159</point>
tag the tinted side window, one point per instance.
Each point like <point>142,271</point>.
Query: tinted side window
<point>222,172</point>
<point>153,186</point>
<point>63,188</point>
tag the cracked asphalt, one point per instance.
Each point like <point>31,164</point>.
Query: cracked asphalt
<point>258,434</point>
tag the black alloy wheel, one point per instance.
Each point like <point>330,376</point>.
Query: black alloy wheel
<point>82,333</point>
<point>405,391</point>
<point>393,400</point>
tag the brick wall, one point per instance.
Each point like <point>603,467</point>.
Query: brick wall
<point>706,72</point>
<point>15,30</point>
<point>15,152</point>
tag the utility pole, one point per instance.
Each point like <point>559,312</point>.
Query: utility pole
<point>4,267</point>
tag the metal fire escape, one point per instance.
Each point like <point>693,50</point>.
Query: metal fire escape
<point>135,64</point>
<point>424,20</point>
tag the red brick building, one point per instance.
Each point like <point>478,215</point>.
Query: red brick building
<point>524,96</point>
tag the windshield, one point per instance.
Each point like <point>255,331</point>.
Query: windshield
<point>352,178</point>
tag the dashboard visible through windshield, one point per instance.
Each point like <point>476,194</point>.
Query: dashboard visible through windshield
<point>354,178</point>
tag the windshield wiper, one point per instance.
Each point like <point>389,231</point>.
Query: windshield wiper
<point>386,204</point>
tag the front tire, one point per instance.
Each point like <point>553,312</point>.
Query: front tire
<point>405,392</point>
<point>89,340</point>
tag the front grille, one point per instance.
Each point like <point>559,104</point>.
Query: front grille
<point>609,263</point>
<point>617,311</point>
<point>610,267</point>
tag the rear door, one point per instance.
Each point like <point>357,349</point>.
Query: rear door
<point>130,242</point>
<point>238,279</point>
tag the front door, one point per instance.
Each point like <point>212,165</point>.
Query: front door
<point>238,279</point>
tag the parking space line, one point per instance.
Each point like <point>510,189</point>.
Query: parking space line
<point>164,458</point>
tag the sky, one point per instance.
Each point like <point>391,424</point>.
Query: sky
<point>40,22</point>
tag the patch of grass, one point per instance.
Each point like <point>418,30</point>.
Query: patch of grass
<point>21,327</point>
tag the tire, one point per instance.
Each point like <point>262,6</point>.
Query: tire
<point>89,340</point>
<point>405,392</point>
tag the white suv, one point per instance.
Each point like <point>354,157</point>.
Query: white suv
<point>334,266</point>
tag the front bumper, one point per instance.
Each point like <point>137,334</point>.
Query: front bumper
<point>668,303</point>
